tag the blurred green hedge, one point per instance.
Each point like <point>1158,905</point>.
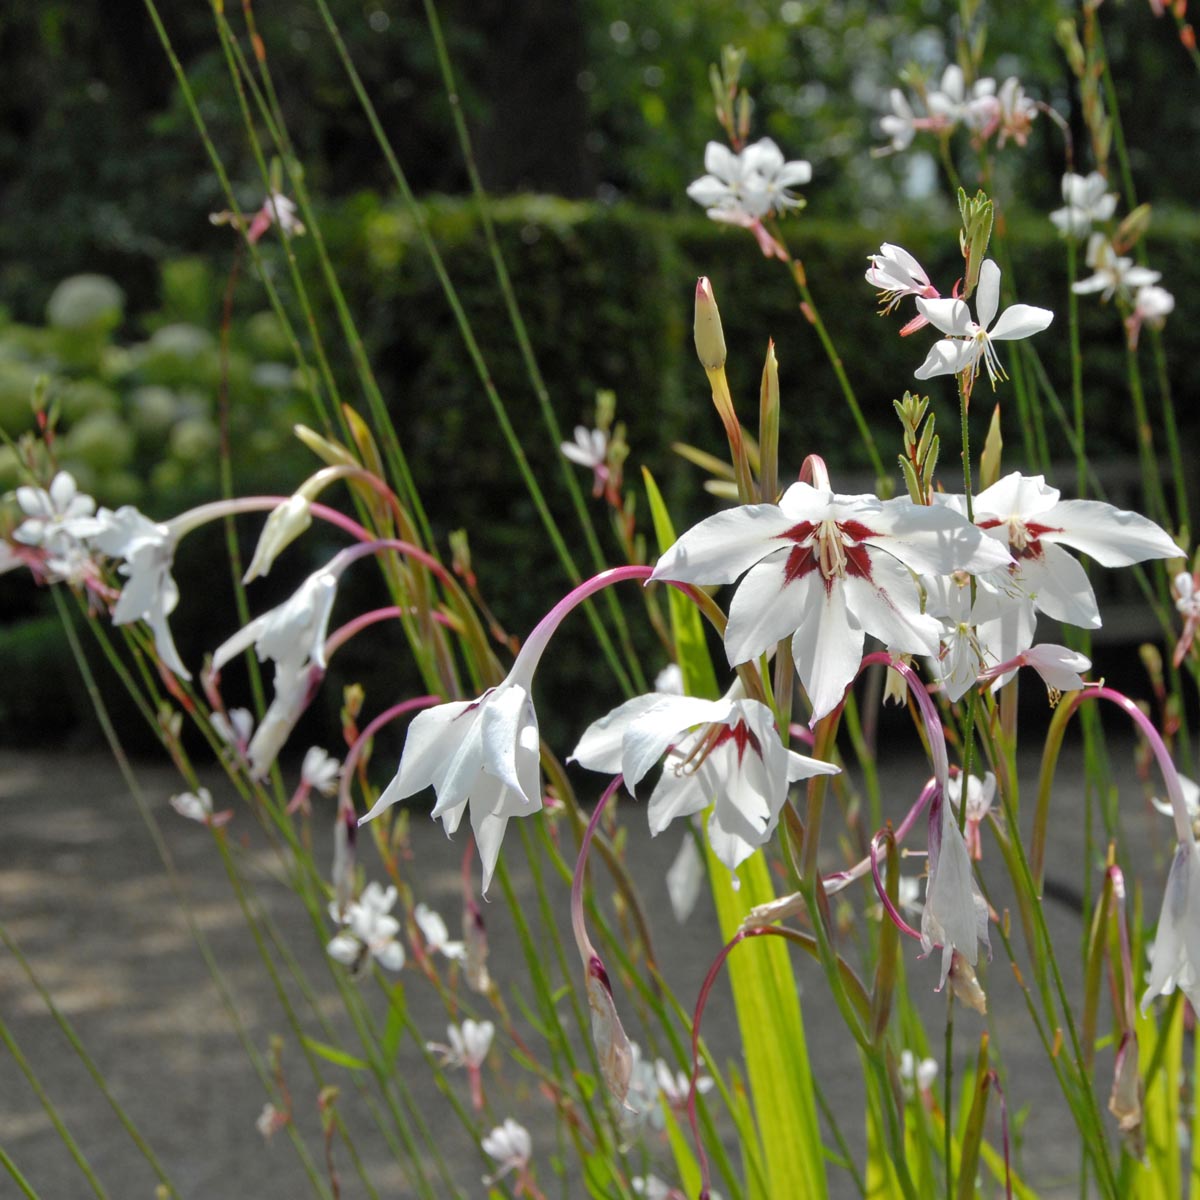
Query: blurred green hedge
<point>606,293</point>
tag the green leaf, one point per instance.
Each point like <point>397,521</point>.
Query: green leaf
<point>334,1055</point>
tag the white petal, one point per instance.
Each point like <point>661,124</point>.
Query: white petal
<point>888,606</point>
<point>677,795</point>
<point>827,649</point>
<point>1114,537</point>
<point>987,298</point>
<point>933,539</point>
<point>765,609</point>
<point>724,545</point>
<point>948,315</point>
<point>599,749</point>
<point>1059,586</point>
<point>507,719</point>
<point>947,358</point>
<point>684,877</point>
<point>655,730</point>
<point>1019,321</point>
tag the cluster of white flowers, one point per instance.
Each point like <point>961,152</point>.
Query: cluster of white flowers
<point>368,931</point>
<point>981,108</point>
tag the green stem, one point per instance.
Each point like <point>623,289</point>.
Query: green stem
<point>16,1176</point>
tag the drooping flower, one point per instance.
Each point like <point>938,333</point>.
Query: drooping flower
<point>1112,272</point>
<point>469,1044</point>
<point>1176,958</point>
<point>370,931</point>
<point>1026,515</point>
<point>1014,113</point>
<point>969,342</point>
<point>1087,200</point>
<point>198,806</point>
<point>437,936</point>
<point>482,754</point>
<point>151,594</point>
<point>725,753</point>
<point>284,524</point>
<point>827,569</point>
<point>955,915</point>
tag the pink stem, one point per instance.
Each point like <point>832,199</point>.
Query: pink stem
<point>933,723</point>
<point>839,879</point>
<point>586,949</point>
<point>892,911</point>
<point>361,622</point>
<point>1183,823</point>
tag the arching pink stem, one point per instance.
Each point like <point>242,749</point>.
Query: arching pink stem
<point>345,800</point>
<point>364,620</point>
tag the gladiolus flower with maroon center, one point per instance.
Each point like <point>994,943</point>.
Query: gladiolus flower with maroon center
<point>826,570</point>
<point>1027,516</point>
<point>725,753</point>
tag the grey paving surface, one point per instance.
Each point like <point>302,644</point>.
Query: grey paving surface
<point>83,892</point>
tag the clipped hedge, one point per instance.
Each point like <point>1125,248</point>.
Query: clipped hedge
<point>606,294</point>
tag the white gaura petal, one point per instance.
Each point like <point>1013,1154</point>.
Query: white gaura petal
<point>950,316</point>
<point>827,649</point>
<point>599,749</point>
<point>1114,537</point>
<point>1020,321</point>
<point>987,298</point>
<point>947,358</point>
<point>1059,586</point>
<point>719,160</point>
<point>765,609</point>
<point>650,735</point>
<point>724,545</point>
<point>888,606</point>
<point>709,191</point>
<point>933,539</point>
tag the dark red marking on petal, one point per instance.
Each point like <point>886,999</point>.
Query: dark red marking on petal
<point>742,736</point>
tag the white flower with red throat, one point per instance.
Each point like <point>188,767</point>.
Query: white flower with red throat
<point>724,753</point>
<point>968,343</point>
<point>1026,515</point>
<point>826,570</point>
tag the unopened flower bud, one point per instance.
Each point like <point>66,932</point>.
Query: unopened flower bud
<point>285,524</point>
<point>710,338</point>
<point>965,984</point>
<point>1125,1102</point>
<point>613,1049</point>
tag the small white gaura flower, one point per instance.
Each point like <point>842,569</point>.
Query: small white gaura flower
<point>1112,272</point>
<point>725,753</point>
<point>684,878</point>
<point>1187,604</point>
<point>1014,113</point>
<point>57,519</point>
<point>276,209</point>
<point>1087,200</point>
<point>283,526</point>
<point>437,936</point>
<point>370,931</point>
<point>922,1072</point>
<point>195,806</point>
<point>827,570</point>
<point>675,1085</point>
<point>270,1121</point>
<point>750,185</point>
<point>150,594</point>
<point>589,449</point>
<point>967,342</point>
<point>235,728</point>
<point>469,1044</point>
<point>900,125</point>
<point>511,1147</point>
<point>1151,306</point>
<point>1176,957</point>
<point>1058,666</point>
<point>951,103</point>
<point>320,771</point>
<point>897,274</point>
<point>955,915</point>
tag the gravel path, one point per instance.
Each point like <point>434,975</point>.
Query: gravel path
<point>83,892</point>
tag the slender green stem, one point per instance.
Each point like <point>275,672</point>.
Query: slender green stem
<point>93,1070</point>
<point>59,1125</point>
<point>16,1176</point>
